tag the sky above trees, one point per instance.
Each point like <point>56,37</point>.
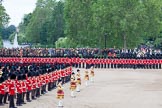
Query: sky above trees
<point>17,8</point>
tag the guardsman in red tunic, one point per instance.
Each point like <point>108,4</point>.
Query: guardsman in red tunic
<point>54,79</point>
<point>62,75</point>
<point>79,62</point>
<point>6,90</point>
<point>43,90</point>
<point>108,63</point>
<point>75,62</point>
<point>29,87</point>
<point>83,62</point>
<point>156,64</point>
<point>12,91</point>
<point>2,91</point>
<point>104,62</point>
<point>151,63</point>
<point>48,80</point>
<point>24,88</point>
<point>33,86</point>
<point>98,63</point>
<point>19,91</point>
<point>50,84</point>
<point>38,84</point>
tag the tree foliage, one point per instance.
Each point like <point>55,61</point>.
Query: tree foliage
<point>4,19</point>
<point>7,31</point>
<point>46,24</point>
<point>88,23</point>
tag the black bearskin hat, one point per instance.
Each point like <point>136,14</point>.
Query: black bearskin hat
<point>19,77</point>
<point>29,74</point>
<point>23,77</point>
<point>13,76</point>
<point>2,79</point>
<point>59,80</point>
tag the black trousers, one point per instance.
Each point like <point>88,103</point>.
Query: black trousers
<point>98,65</point>
<point>19,97</point>
<point>79,65</point>
<point>108,65</point>
<point>159,66</point>
<point>28,95</point>
<point>112,65</point>
<point>33,93</point>
<point>11,104</point>
<point>43,90</point>
<point>104,65</point>
<point>5,97</point>
<point>76,65</point>
<point>49,86</point>
<point>37,92</point>
<point>101,65</point>
<point>1,98</point>
<point>22,96</point>
<point>83,65</point>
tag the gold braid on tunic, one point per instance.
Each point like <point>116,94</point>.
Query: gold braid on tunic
<point>86,77</point>
<point>60,92</point>
<point>72,84</point>
<point>78,79</point>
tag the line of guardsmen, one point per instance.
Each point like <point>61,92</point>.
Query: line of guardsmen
<point>120,63</point>
<point>98,63</point>
<point>30,85</point>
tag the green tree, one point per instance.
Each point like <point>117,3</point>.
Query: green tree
<point>7,31</point>
<point>4,18</point>
<point>46,24</point>
<point>127,23</point>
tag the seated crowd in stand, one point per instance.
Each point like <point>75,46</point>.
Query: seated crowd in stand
<point>82,52</point>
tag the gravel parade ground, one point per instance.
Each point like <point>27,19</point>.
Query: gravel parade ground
<point>113,88</point>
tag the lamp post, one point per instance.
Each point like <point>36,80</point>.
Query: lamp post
<point>105,35</point>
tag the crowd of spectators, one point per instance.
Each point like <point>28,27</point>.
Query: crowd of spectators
<point>82,52</point>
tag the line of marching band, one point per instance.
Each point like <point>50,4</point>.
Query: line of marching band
<point>75,84</point>
<point>31,85</point>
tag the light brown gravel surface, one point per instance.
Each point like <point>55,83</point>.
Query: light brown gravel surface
<point>113,88</point>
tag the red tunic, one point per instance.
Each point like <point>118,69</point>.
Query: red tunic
<point>2,89</point>
<point>33,83</point>
<point>62,73</point>
<point>19,87</point>
<point>24,89</point>
<point>12,88</point>
<point>29,84</point>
